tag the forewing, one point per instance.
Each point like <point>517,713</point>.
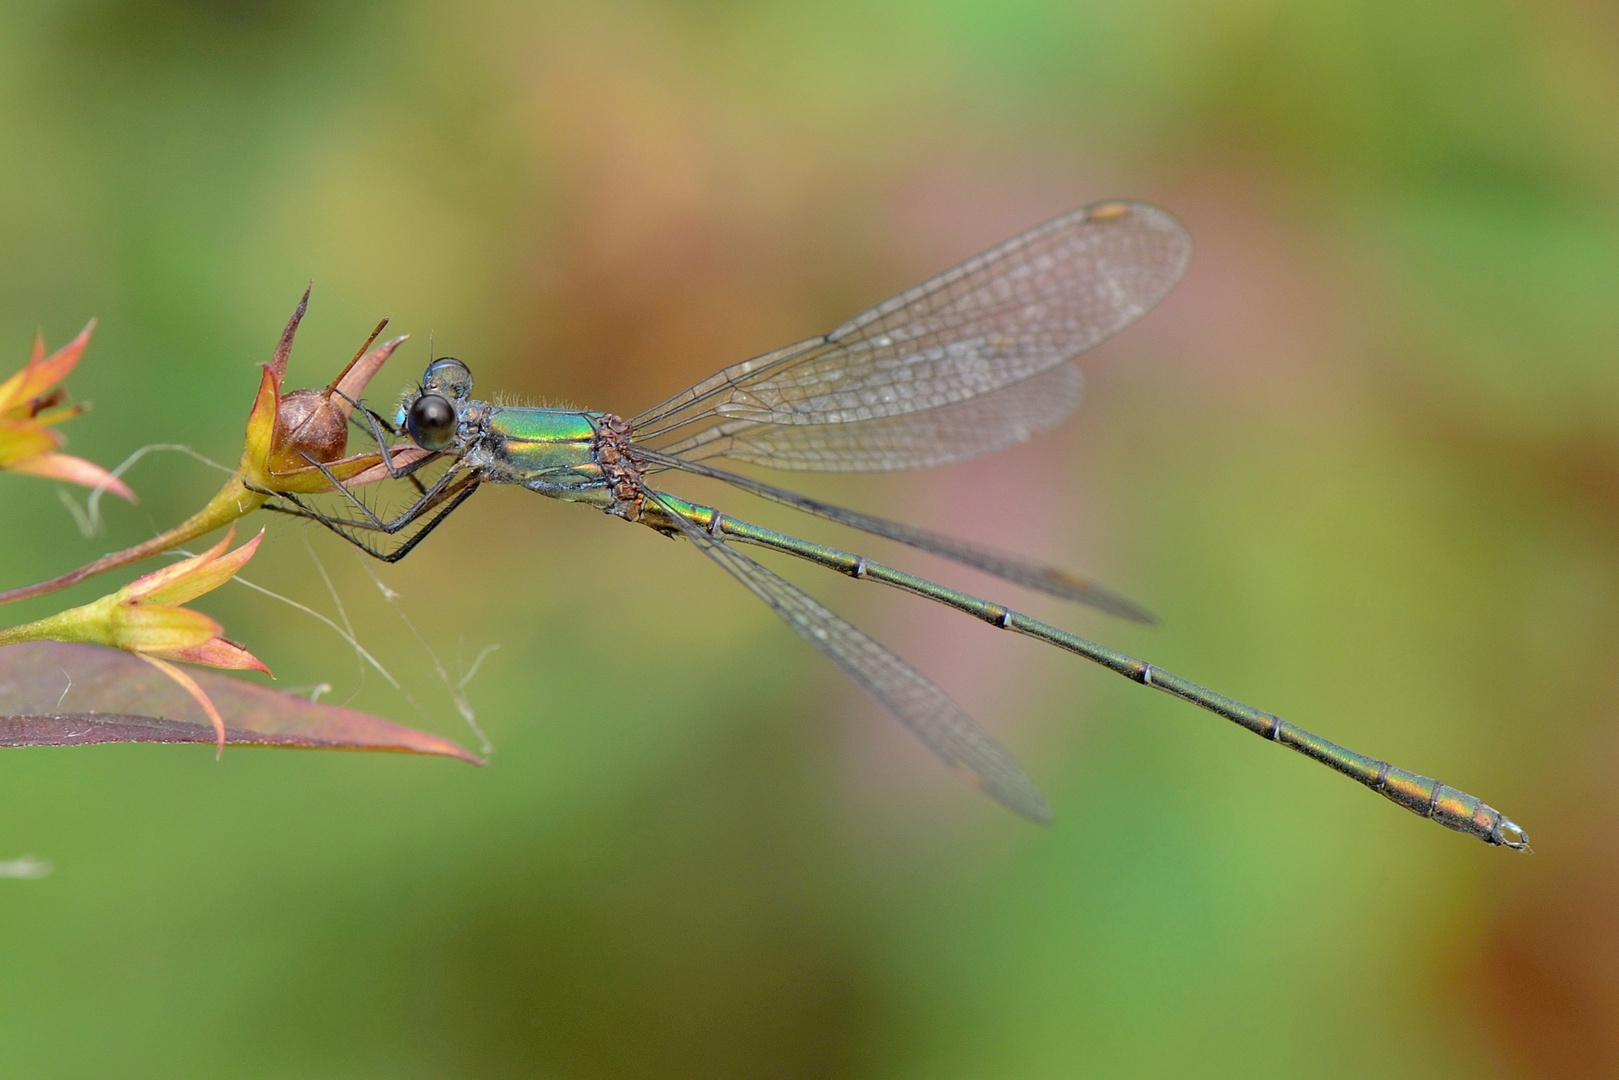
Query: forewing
<point>968,429</point>
<point>927,711</point>
<point>1011,313</point>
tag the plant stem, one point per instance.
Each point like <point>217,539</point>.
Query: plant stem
<point>233,501</point>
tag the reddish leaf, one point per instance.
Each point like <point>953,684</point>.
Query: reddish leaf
<point>55,694</point>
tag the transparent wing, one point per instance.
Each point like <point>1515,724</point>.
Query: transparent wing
<point>927,711</point>
<point>1009,314</point>
<point>1007,567</point>
<point>918,440</point>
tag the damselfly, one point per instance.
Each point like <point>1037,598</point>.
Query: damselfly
<point>973,361</point>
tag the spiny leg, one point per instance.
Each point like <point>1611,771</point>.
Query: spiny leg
<point>375,421</point>
<point>341,526</point>
<point>405,549</point>
<point>446,486</point>
<point>375,425</point>
<point>415,510</point>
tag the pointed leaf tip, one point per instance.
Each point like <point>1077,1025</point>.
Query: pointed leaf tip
<point>169,584</point>
<point>283,349</point>
<point>209,574</point>
<point>351,382</point>
<point>74,470</point>
<point>189,685</point>
<point>218,652</point>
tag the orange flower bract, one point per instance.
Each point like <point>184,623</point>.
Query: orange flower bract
<point>30,404</point>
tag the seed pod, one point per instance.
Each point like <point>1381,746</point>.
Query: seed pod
<point>308,428</point>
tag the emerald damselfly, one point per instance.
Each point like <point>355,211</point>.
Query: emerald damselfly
<point>969,362</point>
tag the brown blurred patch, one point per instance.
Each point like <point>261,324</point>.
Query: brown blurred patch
<point>1577,469</point>
<point>669,260</point>
<point>1548,969</point>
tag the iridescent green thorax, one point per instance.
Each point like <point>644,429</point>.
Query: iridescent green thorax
<point>566,454</point>
<point>527,443</point>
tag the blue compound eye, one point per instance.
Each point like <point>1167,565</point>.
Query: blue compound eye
<point>431,422</point>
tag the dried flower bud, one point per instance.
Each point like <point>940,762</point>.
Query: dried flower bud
<point>309,427</point>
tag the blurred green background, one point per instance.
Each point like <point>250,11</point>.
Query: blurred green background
<point>1364,463</point>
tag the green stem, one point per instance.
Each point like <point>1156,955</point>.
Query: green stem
<point>233,501</point>
<point>80,624</point>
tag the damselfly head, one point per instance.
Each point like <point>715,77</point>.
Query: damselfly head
<point>431,414</point>
<point>449,377</point>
